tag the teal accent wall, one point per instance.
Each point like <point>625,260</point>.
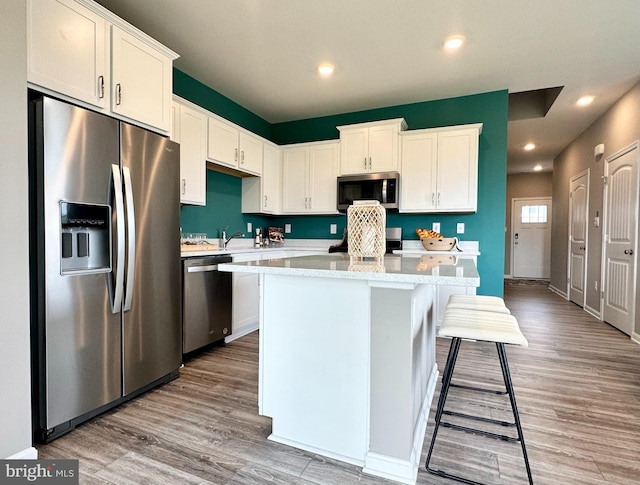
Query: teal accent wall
<point>193,90</point>
<point>486,226</point>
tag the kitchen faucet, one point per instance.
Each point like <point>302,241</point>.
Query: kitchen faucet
<point>225,239</point>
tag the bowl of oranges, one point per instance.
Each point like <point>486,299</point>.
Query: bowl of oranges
<point>434,241</point>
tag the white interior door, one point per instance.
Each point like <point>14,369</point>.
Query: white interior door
<point>620,238</point>
<point>578,227</point>
<point>531,248</point>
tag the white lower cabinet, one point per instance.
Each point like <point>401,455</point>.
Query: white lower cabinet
<point>309,175</point>
<point>246,298</point>
<point>190,130</point>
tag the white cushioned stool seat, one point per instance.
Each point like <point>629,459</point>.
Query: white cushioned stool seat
<point>481,325</point>
<point>478,302</point>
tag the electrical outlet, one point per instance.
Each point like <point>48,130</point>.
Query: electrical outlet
<point>287,228</point>
<point>435,226</point>
<point>460,228</point>
<point>333,228</point>
<point>249,227</point>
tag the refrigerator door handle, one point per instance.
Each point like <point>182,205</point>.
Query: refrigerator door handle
<point>116,293</point>
<point>131,238</point>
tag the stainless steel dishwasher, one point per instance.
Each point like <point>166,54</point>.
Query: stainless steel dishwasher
<point>206,302</point>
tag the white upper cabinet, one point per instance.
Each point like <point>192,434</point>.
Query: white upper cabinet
<point>262,194</point>
<point>141,80</point>
<point>418,171</point>
<point>68,50</point>
<point>370,147</point>
<point>190,130</point>
<point>234,148</point>
<point>439,169</point>
<point>81,51</point>
<point>309,173</point>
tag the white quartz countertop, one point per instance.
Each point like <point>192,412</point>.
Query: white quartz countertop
<point>432,269</point>
<point>246,249</point>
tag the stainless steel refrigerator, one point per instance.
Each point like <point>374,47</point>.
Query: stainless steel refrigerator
<point>105,263</point>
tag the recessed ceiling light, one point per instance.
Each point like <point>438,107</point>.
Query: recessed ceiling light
<point>537,168</point>
<point>453,42</point>
<point>584,100</point>
<point>529,146</point>
<point>326,69</point>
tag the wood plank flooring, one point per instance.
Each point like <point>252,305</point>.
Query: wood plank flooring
<point>577,387</point>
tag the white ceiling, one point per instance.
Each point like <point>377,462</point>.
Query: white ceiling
<point>262,54</point>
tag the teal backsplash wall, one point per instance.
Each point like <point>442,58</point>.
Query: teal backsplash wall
<point>487,225</point>
<point>224,208</point>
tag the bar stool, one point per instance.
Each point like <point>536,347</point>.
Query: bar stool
<point>480,303</point>
<point>488,326</point>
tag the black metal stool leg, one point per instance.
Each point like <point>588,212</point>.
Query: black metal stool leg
<point>447,365</point>
<point>502,354</point>
<point>446,381</point>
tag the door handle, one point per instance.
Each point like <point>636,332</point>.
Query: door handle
<point>202,269</point>
<point>131,238</point>
<point>628,251</point>
<point>115,288</point>
<point>582,248</point>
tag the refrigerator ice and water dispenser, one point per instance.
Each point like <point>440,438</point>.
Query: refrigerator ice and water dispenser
<point>85,237</point>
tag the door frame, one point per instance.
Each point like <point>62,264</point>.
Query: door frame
<point>605,206</point>
<point>513,224</point>
<point>586,172</point>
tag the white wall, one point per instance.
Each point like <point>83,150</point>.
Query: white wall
<point>15,388</point>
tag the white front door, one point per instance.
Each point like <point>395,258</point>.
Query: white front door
<point>531,248</point>
<point>620,238</point>
<point>578,227</point>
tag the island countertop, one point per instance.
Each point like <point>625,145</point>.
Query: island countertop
<point>416,269</point>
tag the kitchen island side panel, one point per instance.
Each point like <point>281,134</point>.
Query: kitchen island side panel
<point>314,361</point>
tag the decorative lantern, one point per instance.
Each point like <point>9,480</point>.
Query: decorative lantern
<point>366,221</point>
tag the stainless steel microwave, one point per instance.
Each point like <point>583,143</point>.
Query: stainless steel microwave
<point>383,187</point>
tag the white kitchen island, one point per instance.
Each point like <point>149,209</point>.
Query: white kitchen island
<point>347,354</point>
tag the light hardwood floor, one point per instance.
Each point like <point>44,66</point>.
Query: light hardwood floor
<point>577,387</point>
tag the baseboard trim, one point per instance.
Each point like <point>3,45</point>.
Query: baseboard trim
<point>563,294</point>
<point>27,454</point>
<point>593,312</point>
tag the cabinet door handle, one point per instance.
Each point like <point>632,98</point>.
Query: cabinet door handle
<point>118,94</point>
<point>101,86</point>
<point>433,198</point>
<point>265,201</point>
<point>309,202</point>
<point>628,251</point>
<point>242,156</point>
<point>184,186</point>
<point>235,155</point>
<point>369,163</point>
<point>365,163</point>
<point>438,199</point>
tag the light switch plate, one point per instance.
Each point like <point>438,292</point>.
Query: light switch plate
<point>460,228</point>
<point>333,228</point>
<point>287,228</point>
<point>435,226</point>
<point>249,227</point>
